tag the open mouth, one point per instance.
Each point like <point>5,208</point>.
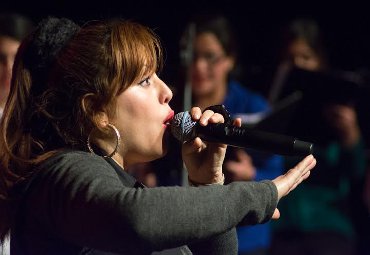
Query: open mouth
<point>167,121</point>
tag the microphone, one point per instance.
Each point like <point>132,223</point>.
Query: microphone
<point>184,129</point>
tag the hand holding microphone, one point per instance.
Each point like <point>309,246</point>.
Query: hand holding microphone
<point>184,128</point>
<point>204,161</point>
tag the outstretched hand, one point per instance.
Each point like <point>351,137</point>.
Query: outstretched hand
<point>291,179</point>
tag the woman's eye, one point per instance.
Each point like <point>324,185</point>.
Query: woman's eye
<point>145,82</point>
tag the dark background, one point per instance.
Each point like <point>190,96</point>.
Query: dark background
<point>346,29</point>
<point>258,25</point>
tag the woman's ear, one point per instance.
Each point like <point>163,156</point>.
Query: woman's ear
<point>98,117</point>
<point>101,119</point>
<point>230,63</point>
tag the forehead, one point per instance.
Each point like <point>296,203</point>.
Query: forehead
<point>8,45</point>
<point>207,42</point>
<point>300,46</point>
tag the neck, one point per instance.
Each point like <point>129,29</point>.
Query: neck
<point>118,159</point>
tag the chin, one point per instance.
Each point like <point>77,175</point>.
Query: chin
<point>158,155</point>
<point>164,153</point>
<point>158,152</point>
<point>202,91</point>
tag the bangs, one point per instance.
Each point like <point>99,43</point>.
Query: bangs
<point>136,52</point>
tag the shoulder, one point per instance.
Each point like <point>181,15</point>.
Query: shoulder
<point>244,89</point>
<point>252,100</point>
<point>240,89</point>
<point>74,158</point>
<point>75,164</point>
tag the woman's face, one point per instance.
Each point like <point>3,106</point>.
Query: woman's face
<point>142,117</point>
<point>8,50</point>
<point>302,56</point>
<point>210,66</point>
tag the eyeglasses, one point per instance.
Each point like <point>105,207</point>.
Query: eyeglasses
<point>210,57</point>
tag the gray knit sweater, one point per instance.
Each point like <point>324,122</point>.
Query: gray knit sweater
<point>79,203</point>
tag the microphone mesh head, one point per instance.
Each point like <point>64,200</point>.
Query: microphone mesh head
<point>182,127</point>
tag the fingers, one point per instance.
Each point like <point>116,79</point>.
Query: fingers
<point>242,155</point>
<point>289,181</point>
<point>301,179</point>
<point>302,167</point>
<point>209,116</point>
<point>276,214</point>
<point>301,171</point>
<point>195,145</point>
<point>195,113</point>
<point>293,178</point>
<point>206,117</point>
<point>237,122</point>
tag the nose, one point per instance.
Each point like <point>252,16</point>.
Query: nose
<point>165,93</point>
<point>199,63</point>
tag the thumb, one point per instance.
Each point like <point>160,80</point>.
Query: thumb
<point>276,214</point>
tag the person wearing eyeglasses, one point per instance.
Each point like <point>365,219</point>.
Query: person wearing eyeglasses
<point>214,81</point>
<point>325,216</point>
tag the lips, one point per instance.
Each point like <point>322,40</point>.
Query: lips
<point>168,119</point>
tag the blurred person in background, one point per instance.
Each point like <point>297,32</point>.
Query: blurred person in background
<point>320,218</point>
<point>214,80</point>
<point>13,28</point>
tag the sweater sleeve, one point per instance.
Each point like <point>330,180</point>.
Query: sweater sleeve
<point>79,198</point>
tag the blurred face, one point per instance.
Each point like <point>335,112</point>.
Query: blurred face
<point>210,66</point>
<point>143,116</point>
<point>303,56</point>
<point>8,50</point>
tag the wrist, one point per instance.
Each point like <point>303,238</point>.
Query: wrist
<point>220,181</point>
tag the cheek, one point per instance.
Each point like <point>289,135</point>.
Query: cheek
<point>220,72</point>
<point>199,71</point>
<point>133,103</point>
<point>144,141</point>
<point>134,116</point>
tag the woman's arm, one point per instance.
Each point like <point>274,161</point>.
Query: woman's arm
<point>81,199</point>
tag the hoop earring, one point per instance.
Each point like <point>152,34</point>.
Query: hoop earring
<point>118,141</point>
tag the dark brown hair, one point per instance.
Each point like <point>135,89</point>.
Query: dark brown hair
<point>56,109</point>
<point>309,31</point>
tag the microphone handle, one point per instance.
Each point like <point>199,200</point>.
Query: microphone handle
<point>254,139</point>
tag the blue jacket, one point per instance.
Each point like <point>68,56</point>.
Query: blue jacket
<point>240,100</point>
